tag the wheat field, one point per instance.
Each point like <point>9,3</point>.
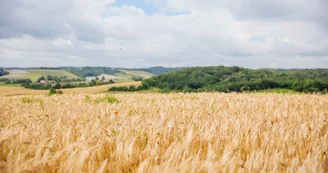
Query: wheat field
<point>147,132</point>
<point>16,90</point>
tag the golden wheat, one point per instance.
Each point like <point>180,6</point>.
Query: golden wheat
<point>208,132</point>
<point>17,90</point>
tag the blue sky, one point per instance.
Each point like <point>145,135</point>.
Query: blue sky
<point>149,8</point>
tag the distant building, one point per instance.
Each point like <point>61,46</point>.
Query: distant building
<point>51,82</point>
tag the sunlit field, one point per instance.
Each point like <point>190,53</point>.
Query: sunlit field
<point>17,90</point>
<point>148,132</point>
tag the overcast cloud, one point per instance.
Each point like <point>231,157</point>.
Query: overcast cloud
<point>248,33</point>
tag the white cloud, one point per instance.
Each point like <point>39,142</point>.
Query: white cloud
<point>247,33</point>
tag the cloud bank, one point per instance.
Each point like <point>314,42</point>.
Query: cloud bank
<point>143,33</point>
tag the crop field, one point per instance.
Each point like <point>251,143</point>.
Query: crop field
<point>124,77</point>
<point>35,74</point>
<point>17,90</point>
<point>16,74</point>
<point>148,132</point>
<point>138,73</point>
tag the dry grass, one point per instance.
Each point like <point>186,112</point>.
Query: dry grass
<point>13,90</point>
<point>206,132</point>
<point>17,90</point>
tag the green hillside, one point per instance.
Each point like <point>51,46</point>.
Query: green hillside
<point>92,71</point>
<point>226,79</point>
<point>158,70</point>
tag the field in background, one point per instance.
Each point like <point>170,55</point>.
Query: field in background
<point>138,73</point>
<point>123,77</point>
<point>16,74</point>
<point>98,89</point>
<point>13,90</point>
<point>35,74</point>
<point>207,132</point>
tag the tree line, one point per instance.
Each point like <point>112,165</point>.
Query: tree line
<point>92,71</point>
<point>237,79</point>
<point>158,70</point>
<point>3,72</point>
<point>59,79</point>
<point>58,85</point>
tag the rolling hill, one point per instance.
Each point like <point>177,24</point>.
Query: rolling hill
<point>35,74</point>
<point>139,73</point>
<point>227,79</point>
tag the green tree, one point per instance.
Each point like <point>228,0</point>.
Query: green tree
<point>40,78</point>
<point>132,88</point>
<point>57,86</point>
<point>92,83</point>
<point>49,77</point>
<point>98,82</point>
<point>236,79</point>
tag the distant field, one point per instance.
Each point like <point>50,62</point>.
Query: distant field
<point>16,74</point>
<point>98,89</point>
<point>35,74</point>
<point>15,90</point>
<point>138,73</point>
<point>124,77</point>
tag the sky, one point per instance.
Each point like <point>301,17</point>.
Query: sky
<point>171,33</point>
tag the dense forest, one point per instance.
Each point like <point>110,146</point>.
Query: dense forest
<point>227,79</point>
<point>92,71</point>
<point>3,72</point>
<point>158,70</point>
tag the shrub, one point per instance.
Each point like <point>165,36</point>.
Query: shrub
<point>132,88</point>
<point>137,78</point>
<point>52,91</point>
<point>111,81</point>
<point>155,90</point>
